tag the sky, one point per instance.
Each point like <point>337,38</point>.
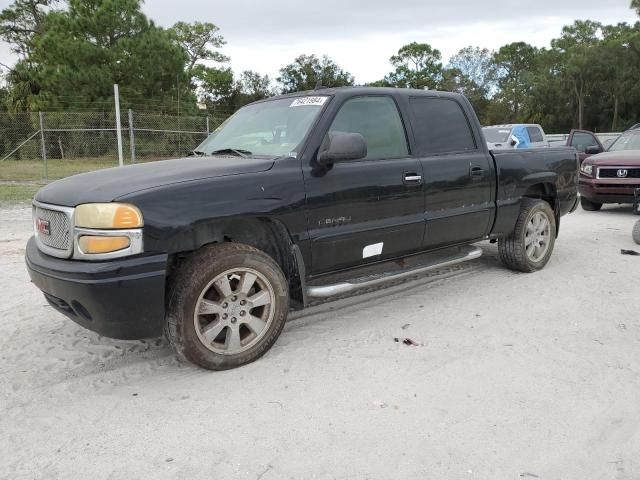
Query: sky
<point>361,35</point>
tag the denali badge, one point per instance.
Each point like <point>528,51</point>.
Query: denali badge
<point>622,173</point>
<point>43,226</point>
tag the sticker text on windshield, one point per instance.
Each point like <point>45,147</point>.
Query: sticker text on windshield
<point>306,101</point>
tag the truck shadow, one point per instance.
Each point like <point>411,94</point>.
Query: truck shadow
<point>75,359</point>
<point>613,208</point>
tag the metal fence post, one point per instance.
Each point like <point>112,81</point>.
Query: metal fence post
<point>44,147</point>
<point>132,137</point>
<point>116,94</point>
<point>208,125</point>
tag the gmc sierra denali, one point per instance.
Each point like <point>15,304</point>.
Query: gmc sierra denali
<point>292,198</point>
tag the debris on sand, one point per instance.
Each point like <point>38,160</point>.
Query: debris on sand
<point>629,252</point>
<point>407,341</point>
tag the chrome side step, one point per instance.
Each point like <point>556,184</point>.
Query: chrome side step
<point>462,254</point>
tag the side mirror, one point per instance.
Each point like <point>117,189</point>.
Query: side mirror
<point>513,143</point>
<point>593,150</point>
<point>340,147</point>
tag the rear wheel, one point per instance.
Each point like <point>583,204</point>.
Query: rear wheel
<point>590,206</point>
<point>227,306</point>
<point>531,243</point>
<point>636,232</point>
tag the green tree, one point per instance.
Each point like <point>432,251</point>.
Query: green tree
<point>635,4</point>
<point>618,72</point>
<point>550,99</point>
<point>221,91</point>
<point>307,70</point>
<point>577,47</point>
<point>254,86</point>
<point>216,86</point>
<point>472,72</point>
<point>515,66</point>
<point>4,95</point>
<point>199,41</point>
<point>477,65</point>
<point>453,80</point>
<point>93,44</point>
<point>417,65</point>
<point>21,22</point>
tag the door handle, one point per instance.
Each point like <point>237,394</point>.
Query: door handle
<point>476,171</point>
<point>412,178</point>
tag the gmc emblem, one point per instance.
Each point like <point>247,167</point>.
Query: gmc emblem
<point>43,226</point>
<point>621,173</point>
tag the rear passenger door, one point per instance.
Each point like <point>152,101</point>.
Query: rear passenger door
<point>458,172</point>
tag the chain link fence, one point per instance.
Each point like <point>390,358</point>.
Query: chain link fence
<point>39,147</point>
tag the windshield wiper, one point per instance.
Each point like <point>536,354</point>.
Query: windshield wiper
<point>236,151</point>
<point>197,153</point>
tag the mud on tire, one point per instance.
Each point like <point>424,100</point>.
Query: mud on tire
<point>230,329</point>
<point>513,250</point>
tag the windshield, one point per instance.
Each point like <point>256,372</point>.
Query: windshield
<point>626,141</point>
<point>273,128</point>
<point>496,135</point>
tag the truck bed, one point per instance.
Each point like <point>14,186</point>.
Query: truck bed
<point>523,170</point>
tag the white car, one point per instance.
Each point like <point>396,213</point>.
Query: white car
<point>515,135</point>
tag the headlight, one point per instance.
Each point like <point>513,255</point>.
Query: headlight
<point>105,231</point>
<point>108,215</point>
<point>587,169</point>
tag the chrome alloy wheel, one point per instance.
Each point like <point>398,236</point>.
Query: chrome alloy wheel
<point>234,311</point>
<point>536,240</point>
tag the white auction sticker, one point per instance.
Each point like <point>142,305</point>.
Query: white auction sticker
<point>306,101</point>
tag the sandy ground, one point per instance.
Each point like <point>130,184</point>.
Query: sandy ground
<point>517,376</point>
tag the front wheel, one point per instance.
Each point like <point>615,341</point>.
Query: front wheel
<point>636,232</point>
<point>531,243</point>
<point>590,206</point>
<point>227,306</point>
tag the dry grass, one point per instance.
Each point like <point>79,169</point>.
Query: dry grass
<point>33,170</point>
<point>17,192</point>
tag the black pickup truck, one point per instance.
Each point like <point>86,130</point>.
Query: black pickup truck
<point>296,197</point>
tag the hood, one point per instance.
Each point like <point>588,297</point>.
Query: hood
<point>622,158</point>
<point>109,184</point>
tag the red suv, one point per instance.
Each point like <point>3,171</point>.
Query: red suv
<point>612,176</point>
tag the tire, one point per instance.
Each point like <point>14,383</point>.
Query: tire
<point>513,249</point>
<point>236,323</point>
<point>636,232</point>
<point>590,206</point>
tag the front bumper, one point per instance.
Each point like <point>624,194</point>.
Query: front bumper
<point>608,190</point>
<point>119,298</point>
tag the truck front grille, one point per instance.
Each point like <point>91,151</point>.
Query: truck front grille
<point>604,172</point>
<point>53,230</point>
<point>618,186</point>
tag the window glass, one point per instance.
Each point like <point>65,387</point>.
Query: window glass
<point>535,135</point>
<point>581,141</point>
<point>440,126</point>
<point>626,141</point>
<point>272,128</point>
<point>378,121</point>
<point>496,135</point>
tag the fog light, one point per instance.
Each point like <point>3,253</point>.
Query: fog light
<point>102,244</point>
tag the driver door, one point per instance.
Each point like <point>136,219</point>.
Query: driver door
<point>366,210</point>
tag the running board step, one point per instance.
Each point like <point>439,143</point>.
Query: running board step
<point>395,270</point>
